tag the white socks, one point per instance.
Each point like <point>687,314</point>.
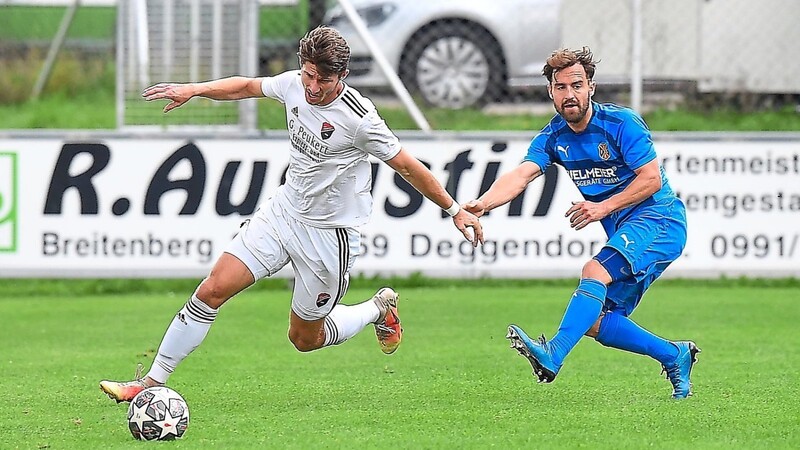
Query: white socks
<point>345,321</point>
<point>190,326</point>
<point>185,333</point>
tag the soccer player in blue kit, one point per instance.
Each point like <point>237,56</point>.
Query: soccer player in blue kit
<point>608,153</point>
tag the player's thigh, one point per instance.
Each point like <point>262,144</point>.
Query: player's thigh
<point>649,244</point>
<point>260,243</point>
<point>614,265</point>
<point>322,259</point>
<point>624,296</point>
<point>648,241</point>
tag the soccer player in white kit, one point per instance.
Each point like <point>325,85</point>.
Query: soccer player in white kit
<point>312,221</point>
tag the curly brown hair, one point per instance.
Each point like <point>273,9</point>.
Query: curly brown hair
<point>325,48</point>
<point>563,58</point>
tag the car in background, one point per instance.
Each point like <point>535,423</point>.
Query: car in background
<point>453,53</point>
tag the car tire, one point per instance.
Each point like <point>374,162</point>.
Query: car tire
<point>454,65</point>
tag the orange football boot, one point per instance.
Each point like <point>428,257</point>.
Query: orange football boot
<point>388,328</point>
<point>125,391</point>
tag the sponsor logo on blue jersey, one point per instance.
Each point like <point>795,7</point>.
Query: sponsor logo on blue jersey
<point>594,175</point>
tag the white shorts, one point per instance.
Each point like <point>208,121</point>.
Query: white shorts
<point>321,257</point>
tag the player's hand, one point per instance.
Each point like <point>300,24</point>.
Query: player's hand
<point>177,93</point>
<point>465,221</point>
<point>476,207</point>
<point>583,213</point>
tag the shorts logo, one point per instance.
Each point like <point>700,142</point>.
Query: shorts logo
<point>625,238</point>
<point>8,202</point>
<point>602,150</point>
<point>327,130</point>
<point>322,299</point>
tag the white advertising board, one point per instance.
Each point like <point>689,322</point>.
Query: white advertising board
<point>114,2</point>
<point>153,207</point>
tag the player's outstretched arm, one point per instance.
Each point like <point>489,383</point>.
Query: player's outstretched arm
<point>419,176</point>
<point>231,88</point>
<point>505,188</point>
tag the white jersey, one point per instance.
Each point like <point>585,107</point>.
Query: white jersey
<point>329,177</point>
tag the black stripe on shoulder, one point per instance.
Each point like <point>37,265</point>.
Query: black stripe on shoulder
<point>357,107</point>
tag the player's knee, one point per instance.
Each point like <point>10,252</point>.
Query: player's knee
<point>594,331</point>
<point>302,342</point>
<point>212,293</point>
<point>593,269</point>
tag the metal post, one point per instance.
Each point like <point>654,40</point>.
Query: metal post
<point>130,38</point>
<point>194,41</point>
<point>142,44</point>
<point>55,48</point>
<point>316,13</point>
<point>248,61</point>
<point>168,38</point>
<point>386,68</point>
<point>120,60</point>
<point>216,39</point>
<point>636,55</point>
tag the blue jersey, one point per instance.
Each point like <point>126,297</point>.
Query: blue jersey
<point>600,160</point>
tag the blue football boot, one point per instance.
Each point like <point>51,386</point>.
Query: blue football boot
<point>536,353</point>
<point>680,371</point>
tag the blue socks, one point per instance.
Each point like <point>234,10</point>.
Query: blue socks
<point>620,332</point>
<point>616,330</point>
<point>582,312</point>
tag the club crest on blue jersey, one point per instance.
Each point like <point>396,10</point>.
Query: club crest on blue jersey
<point>602,150</point>
<point>327,130</point>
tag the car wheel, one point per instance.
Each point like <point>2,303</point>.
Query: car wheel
<point>453,66</point>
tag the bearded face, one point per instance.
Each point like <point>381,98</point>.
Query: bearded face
<point>571,92</point>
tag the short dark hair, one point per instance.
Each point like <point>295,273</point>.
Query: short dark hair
<point>325,48</point>
<point>563,58</point>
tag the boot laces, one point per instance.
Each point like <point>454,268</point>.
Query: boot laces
<point>673,374</point>
<point>138,380</point>
<point>384,331</point>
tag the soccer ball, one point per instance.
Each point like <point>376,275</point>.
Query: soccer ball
<point>158,414</point>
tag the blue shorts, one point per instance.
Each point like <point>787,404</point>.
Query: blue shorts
<point>648,241</point>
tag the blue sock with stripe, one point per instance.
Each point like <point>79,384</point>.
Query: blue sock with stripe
<point>620,332</point>
<point>582,312</point>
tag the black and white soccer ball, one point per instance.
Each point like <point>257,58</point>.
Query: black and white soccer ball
<point>158,414</point>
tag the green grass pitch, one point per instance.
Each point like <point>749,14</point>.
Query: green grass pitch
<point>454,383</point>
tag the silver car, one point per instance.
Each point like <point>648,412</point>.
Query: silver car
<point>454,53</point>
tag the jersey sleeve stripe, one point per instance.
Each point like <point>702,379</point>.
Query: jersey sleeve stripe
<point>357,107</point>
